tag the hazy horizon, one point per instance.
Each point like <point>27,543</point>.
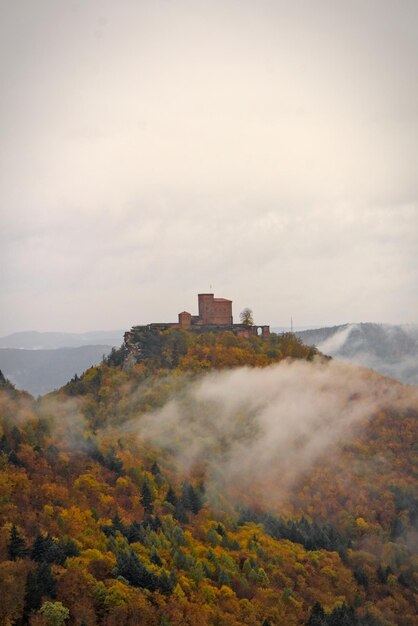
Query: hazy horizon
<point>273,328</point>
<point>152,150</point>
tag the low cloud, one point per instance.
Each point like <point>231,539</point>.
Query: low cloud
<point>389,350</point>
<point>246,424</point>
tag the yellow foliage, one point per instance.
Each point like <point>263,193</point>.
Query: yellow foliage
<point>209,593</point>
<point>361,525</point>
<point>226,592</point>
<point>178,592</point>
<point>49,510</point>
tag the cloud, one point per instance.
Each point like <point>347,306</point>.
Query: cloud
<point>270,143</point>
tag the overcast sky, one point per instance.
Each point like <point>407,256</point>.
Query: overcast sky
<point>151,149</point>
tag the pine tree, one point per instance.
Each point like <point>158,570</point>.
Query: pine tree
<point>134,571</point>
<point>147,498</point>
<point>118,524</point>
<point>45,549</point>
<point>16,547</point>
<point>38,549</point>
<point>113,462</point>
<point>54,552</point>
<point>191,498</point>
<point>39,583</point>
<point>32,593</point>
<point>317,616</point>
<point>155,469</point>
<point>342,616</point>
<point>166,584</point>
<point>155,557</point>
<point>46,580</point>
<point>16,438</point>
<point>13,458</point>
<point>69,547</point>
<point>171,496</point>
<point>4,445</point>
<point>135,532</point>
<point>361,577</point>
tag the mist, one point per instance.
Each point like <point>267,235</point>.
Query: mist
<point>247,424</point>
<point>391,350</point>
<point>250,433</point>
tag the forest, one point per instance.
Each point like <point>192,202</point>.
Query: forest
<point>209,479</point>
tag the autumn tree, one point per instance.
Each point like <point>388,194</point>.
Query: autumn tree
<point>55,613</point>
<point>246,317</point>
<point>12,590</point>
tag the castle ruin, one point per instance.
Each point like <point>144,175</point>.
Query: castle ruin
<point>216,313</point>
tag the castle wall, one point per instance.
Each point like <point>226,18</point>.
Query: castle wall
<point>214,311</point>
<point>222,313</point>
<point>185,319</point>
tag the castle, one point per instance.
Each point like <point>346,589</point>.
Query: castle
<point>212,312</point>
<point>216,314</point>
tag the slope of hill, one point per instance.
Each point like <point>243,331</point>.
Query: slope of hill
<point>42,371</point>
<point>390,350</point>
<point>167,487</point>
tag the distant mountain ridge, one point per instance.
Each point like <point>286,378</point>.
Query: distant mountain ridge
<point>40,362</point>
<point>391,350</point>
<point>42,371</point>
<point>34,340</point>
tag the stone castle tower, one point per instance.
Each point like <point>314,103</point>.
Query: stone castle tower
<point>212,312</point>
<point>217,311</point>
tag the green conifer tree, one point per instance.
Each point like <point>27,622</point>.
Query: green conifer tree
<point>171,496</point>
<point>16,547</point>
<point>317,616</point>
<point>147,498</point>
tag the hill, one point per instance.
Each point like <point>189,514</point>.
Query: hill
<point>388,349</point>
<point>206,479</point>
<point>34,340</point>
<point>42,371</point>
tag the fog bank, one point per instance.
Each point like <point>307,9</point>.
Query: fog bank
<point>247,423</point>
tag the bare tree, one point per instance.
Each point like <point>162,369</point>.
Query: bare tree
<point>246,317</point>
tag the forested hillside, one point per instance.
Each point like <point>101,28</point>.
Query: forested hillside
<point>206,479</point>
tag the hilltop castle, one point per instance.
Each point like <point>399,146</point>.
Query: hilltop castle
<point>214,314</point>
